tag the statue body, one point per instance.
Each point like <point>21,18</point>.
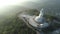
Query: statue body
<point>40,17</point>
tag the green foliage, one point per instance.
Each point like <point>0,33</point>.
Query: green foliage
<point>14,25</point>
<point>31,12</point>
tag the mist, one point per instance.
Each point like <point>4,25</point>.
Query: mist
<point>11,7</point>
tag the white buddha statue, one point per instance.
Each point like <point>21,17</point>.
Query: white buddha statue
<point>40,18</point>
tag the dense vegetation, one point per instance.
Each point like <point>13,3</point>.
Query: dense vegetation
<point>14,25</point>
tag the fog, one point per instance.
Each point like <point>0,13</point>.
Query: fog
<point>10,7</point>
<point>35,4</point>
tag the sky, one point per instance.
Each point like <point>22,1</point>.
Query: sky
<point>29,3</point>
<point>14,2</point>
<point>6,3</point>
